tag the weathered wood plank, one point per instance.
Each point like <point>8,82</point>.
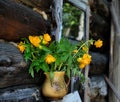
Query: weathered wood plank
<point>114,71</point>
<point>113,88</point>
<point>87,88</point>
<point>17,21</point>
<point>57,18</point>
<point>80,4</point>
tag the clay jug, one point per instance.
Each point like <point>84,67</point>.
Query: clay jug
<point>55,88</point>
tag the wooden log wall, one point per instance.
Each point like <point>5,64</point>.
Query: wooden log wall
<point>17,21</point>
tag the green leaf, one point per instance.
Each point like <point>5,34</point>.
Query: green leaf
<point>44,67</point>
<point>45,48</point>
<point>37,67</point>
<point>70,61</point>
<point>31,71</point>
<point>82,78</point>
<point>34,64</point>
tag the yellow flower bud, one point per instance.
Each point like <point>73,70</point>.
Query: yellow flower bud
<point>44,42</point>
<point>85,48</point>
<point>21,46</point>
<point>79,59</point>
<point>40,46</point>
<point>75,51</point>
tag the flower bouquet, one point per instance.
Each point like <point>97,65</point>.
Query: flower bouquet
<point>49,55</point>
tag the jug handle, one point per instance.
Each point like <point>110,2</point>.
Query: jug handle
<point>67,81</point>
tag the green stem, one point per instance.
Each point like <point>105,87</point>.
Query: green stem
<point>81,47</point>
<point>60,66</point>
<point>55,67</point>
<point>33,56</point>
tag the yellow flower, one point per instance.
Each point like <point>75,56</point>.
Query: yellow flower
<point>21,46</point>
<point>35,40</point>
<point>75,51</point>
<point>85,60</point>
<point>49,59</point>
<point>98,43</point>
<point>47,37</point>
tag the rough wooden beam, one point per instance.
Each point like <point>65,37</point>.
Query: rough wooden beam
<point>17,21</point>
<point>87,89</point>
<point>113,88</point>
<point>114,69</point>
<point>80,4</point>
<point>115,19</point>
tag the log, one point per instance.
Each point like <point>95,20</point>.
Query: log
<point>24,93</point>
<point>17,21</point>
<point>41,4</point>
<point>13,69</point>
<point>98,89</point>
<point>98,64</point>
